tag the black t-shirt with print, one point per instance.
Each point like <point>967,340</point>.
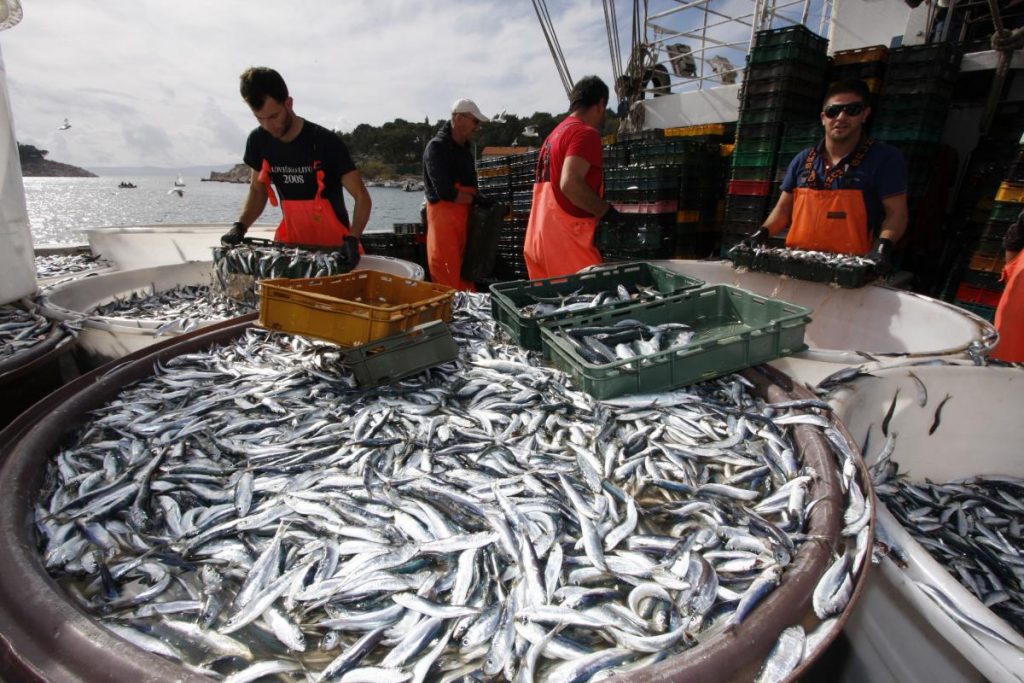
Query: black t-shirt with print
<point>291,164</point>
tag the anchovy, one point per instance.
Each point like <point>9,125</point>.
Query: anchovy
<point>938,414</point>
<point>446,522</point>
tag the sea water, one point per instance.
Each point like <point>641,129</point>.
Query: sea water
<point>61,209</point>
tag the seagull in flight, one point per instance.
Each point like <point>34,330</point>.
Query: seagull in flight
<point>65,125</point>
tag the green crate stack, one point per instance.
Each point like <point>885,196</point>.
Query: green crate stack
<point>783,84</point>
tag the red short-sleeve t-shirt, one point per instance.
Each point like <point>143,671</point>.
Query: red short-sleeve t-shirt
<point>571,138</point>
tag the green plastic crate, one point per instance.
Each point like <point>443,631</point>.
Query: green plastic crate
<point>401,355</point>
<point>735,329</point>
<point>1005,211</point>
<point>507,298</point>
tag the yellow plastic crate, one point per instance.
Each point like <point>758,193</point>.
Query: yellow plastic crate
<point>875,53</point>
<point>692,216</point>
<point>693,131</point>
<point>610,139</point>
<point>988,264</point>
<point>352,309</point>
<point>726,149</point>
<point>1011,192</point>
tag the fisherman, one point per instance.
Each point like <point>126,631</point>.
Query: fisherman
<point>308,164</point>
<point>1010,313</point>
<point>568,188</point>
<point>449,183</point>
<point>845,191</point>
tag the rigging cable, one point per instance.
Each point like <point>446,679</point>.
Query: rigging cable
<point>540,6</point>
<point>612,28</point>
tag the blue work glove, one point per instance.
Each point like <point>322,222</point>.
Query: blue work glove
<point>234,235</point>
<point>882,256</point>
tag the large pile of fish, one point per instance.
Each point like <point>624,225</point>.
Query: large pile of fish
<point>248,511</point>
<point>973,527</point>
<point>183,307</point>
<point>21,329</point>
<point>580,301</point>
<point>59,265</point>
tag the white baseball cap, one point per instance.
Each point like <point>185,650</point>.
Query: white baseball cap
<point>465,106</point>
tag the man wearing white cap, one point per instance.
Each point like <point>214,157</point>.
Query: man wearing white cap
<point>449,183</point>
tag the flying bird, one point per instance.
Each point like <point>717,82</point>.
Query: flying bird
<point>65,125</point>
<point>176,190</point>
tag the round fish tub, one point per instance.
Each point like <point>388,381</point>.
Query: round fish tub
<point>34,372</point>
<point>875,320</point>
<point>49,638</point>
<point>104,339</point>
<point>897,633</point>
<point>60,250</point>
<point>158,245</point>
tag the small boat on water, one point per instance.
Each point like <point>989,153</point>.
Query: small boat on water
<point>125,185</point>
<point>413,186</point>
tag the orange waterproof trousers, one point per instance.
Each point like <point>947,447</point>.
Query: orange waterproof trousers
<point>557,243</point>
<point>1010,313</point>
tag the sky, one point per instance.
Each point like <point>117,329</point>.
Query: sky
<point>155,83</point>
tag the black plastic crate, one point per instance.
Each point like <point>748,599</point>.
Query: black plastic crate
<point>946,53</point>
<point>747,209</point>
<point>792,53</point>
<point>401,355</point>
<point>859,71</point>
<point>797,83</point>
<point>758,131</point>
<point>941,87</point>
<point>797,34</point>
<point>783,70</point>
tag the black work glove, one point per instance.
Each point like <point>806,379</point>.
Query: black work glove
<point>612,215</point>
<point>882,256</point>
<point>756,239</point>
<point>234,235</point>
<point>349,251</point>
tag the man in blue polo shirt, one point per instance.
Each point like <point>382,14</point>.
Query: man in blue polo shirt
<point>845,192</point>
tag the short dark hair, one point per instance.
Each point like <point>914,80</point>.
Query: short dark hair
<point>853,86</point>
<point>258,83</point>
<point>587,92</point>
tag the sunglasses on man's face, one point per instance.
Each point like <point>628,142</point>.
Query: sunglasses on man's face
<point>851,109</point>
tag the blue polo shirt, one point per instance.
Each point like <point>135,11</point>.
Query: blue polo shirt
<point>882,174</point>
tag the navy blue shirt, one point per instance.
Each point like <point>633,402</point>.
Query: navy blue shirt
<point>882,174</point>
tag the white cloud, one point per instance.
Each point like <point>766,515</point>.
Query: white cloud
<point>147,82</point>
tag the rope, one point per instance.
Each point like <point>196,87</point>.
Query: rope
<point>540,6</point>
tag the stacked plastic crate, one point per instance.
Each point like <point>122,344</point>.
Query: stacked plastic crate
<point>910,112</point>
<point>701,190</point>
<point>641,179</point>
<point>784,81</point>
<point>508,179</point>
<point>979,286</point>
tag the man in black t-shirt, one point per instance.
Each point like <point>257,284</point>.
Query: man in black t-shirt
<point>307,164</point>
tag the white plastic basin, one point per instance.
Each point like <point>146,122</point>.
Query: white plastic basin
<point>881,322</point>
<point>106,338</point>
<point>898,634</point>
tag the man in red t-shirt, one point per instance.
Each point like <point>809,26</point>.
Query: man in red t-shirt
<point>567,191</point>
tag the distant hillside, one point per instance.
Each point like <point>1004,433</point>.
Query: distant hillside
<point>35,164</point>
<point>239,174</point>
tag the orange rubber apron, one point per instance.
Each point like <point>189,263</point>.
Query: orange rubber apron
<point>830,220</point>
<point>447,230</point>
<point>557,243</point>
<point>306,221</point>
<point>1010,313</point>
